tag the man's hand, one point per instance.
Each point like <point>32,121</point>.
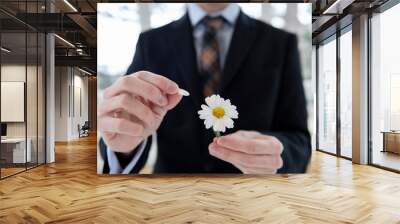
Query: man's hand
<point>133,108</point>
<point>249,151</point>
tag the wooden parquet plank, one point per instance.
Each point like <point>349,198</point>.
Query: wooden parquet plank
<point>70,191</point>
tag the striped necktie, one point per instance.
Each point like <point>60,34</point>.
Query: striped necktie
<point>210,68</point>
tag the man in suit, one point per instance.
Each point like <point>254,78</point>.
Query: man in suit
<point>213,49</point>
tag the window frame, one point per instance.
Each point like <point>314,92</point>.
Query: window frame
<point>333,37</point>
<point>371,14</point>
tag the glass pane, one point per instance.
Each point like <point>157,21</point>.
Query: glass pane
<point>327,97</point>
<point>13,86</point>
<point>22,79</point>
<point>41,98</point>
<point>313,80</point>
<point>31,97</point>
<point>32,85</point>
<point>385,84</point>
<point>346,94</point>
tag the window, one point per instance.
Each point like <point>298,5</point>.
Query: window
<point>327,96</point>
<point>22,78</point>
<point>385,89</point>
<point>329,112</point>
<point>13,150</point>
<point>346,94</point>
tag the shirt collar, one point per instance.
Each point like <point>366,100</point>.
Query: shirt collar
<point>229,13</point>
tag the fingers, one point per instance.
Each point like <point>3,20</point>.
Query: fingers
<point>130,105</point>
<point>133,85</point>
<point>251,143</point>
<point>246,160</point>
<point>113,125</point>
<point>159,81</point>
<point>150,86</point>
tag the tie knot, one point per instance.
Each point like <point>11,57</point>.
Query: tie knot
<point>213,23</point>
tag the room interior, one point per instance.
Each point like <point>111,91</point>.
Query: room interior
<point>353,175</point>
<point>31,93</point>
<point>333,45</point>
<point>22,102</point>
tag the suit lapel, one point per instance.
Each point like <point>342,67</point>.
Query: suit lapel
<point>182,43</point>
<point>243,37</point>
<point>185,57</point>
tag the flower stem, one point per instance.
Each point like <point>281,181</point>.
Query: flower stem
<point>217,133</point>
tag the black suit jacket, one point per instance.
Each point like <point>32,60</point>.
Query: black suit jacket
<point>262,77</point>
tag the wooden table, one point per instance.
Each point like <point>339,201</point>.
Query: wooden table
<point>13,150</point>
<point>391,141</point>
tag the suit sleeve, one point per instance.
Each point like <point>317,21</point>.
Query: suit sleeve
<point>137,64</point>
<point>290,121</point>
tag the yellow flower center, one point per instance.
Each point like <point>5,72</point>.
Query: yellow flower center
<point>218,112</point>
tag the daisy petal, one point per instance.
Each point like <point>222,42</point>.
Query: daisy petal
<point>233,114</point>
<point>220,101</point>
<point>211,101</point>
<point>219,126</point>
<point>218,123</point>
<point>204,112</point>
<point>228,122</point>
<point>208,123</point>
<point>205,107</point>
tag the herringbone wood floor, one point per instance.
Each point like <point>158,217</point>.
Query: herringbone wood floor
<point>70,191</point>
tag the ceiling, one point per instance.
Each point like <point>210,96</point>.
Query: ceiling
<point>74,22</point>
<point>331,15</point>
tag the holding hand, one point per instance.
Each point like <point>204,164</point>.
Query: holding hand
<point>249,151</point>
<point>134,107</point>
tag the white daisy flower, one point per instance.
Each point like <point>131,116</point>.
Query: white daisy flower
<point>218,113</point>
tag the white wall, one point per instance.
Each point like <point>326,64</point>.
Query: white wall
<point>79,117</point>
<point>33,126</point>
<point>70,83</point>
<point>61,103</point>
<point>14,73</point>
